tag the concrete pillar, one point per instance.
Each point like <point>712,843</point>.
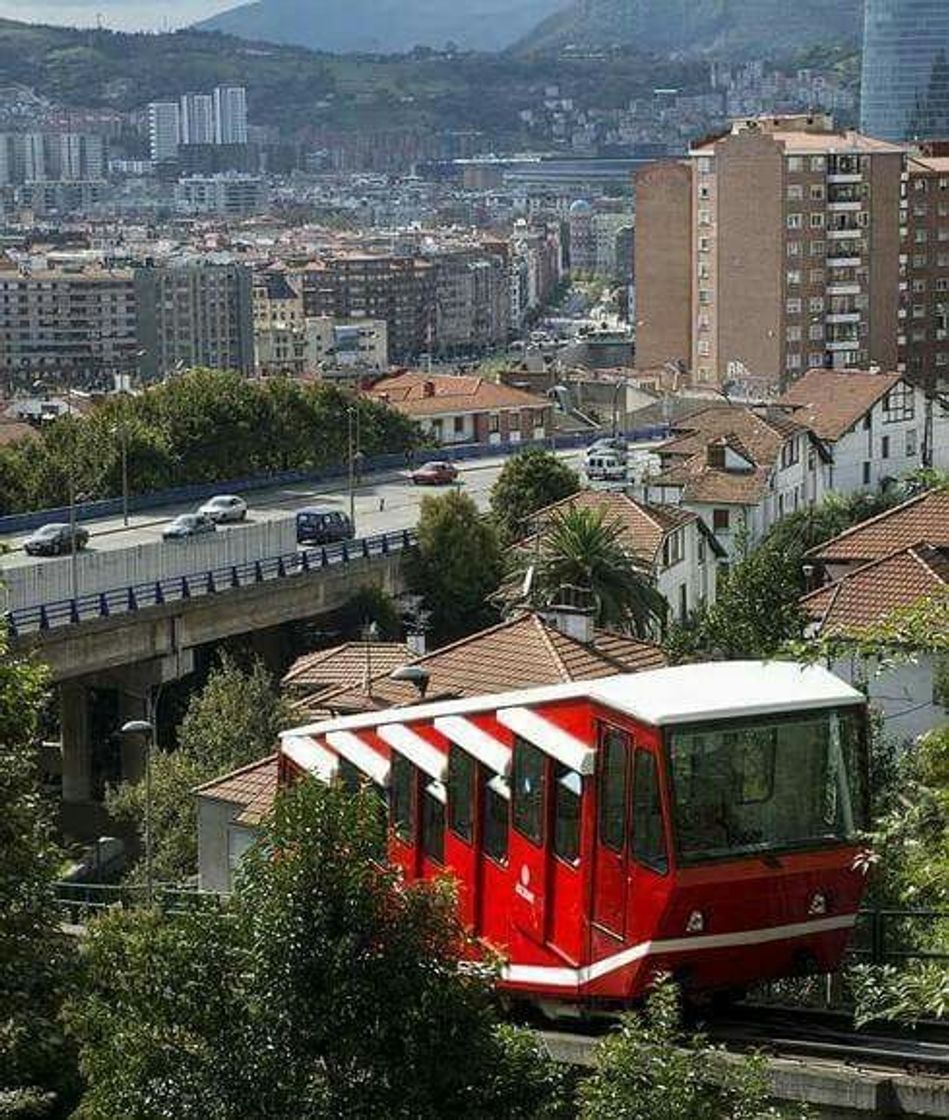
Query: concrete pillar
<point>132,705</point>
<point>77,749</point>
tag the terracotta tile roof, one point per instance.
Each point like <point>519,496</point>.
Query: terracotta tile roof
<point>797,140</point>
<point>252,787</point>
<point>871,593</point>
<point>761,435</point>
<point>522,652</point>
<point>422,394</point>
<point>923,518</point>
<point>701,483</point>
<point>344,665</point>
<point>831,402</point>
<point>644,525</point>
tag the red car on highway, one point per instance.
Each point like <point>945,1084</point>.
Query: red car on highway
<point>436,473</point>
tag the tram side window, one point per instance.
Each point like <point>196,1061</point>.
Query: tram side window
<point>461,793</point>
<point>433,822</point>
<point>529,767</point>
<point>648,839</point>
<point>568,789</point>
<point>495,801</point>
<point>401,798</point>
<point>612,812</point>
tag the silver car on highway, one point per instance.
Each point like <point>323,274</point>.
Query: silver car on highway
<point>224,508</point>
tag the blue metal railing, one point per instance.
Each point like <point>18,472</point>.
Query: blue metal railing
<point>124,600</point>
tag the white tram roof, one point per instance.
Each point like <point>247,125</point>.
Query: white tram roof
<point>681,694</point>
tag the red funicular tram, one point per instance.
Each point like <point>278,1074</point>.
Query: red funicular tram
<point>697,820</point>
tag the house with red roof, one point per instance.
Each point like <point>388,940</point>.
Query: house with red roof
<point>466,408</point>
<point>873,572</point>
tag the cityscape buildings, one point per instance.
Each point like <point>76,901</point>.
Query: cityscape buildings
<point>905,79</point>
<point>164,130</point>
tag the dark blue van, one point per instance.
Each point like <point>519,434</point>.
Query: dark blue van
<point>323,525</point>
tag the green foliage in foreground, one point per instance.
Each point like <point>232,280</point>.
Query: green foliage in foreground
<point>455,565</point>
<point>323,988</point>
<point>35,1063</point>
<point>651,1069</point>
<point>233,721</point>
<point>529,481</point>
<point>203,426</point>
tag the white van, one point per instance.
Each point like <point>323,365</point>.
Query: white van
<point>604,465</point>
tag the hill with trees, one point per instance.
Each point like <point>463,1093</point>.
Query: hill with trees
<point>383,26</point>
<point>715,28</point>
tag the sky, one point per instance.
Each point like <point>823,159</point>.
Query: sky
<point>121,15</point>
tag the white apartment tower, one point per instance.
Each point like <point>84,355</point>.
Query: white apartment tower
<point>164,130</point>
<point>230,115</point>
<point>197,118</point>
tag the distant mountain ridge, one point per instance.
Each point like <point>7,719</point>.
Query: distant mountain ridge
<point>715,28</point>
<point>384,26</point>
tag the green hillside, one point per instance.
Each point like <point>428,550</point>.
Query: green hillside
<point>716,28</point>
<point>388,26</point>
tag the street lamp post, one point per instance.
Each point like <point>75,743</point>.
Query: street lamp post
<point>146,728</point>
<point>351,417</point>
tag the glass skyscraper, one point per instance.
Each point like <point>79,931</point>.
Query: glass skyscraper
<point>905,82</point>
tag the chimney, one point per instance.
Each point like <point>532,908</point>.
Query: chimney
<point>573,614</point>
<point>416,643</point>
<point>715,454</point>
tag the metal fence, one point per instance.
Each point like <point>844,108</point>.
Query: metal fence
<point>125,600</point>
<point>81,901</point>
<point>888,936</point>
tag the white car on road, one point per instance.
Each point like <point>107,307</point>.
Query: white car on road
<point>224,508</point>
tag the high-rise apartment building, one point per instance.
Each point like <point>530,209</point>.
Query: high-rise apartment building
<point>924,280</point>
<point>400,291</point>
<point>794,253</point>
<point>197,118</point>
<point>194,314</point>
<point>75,324</point>
<point>230,115</point>
<point>164,130</point>
<point>905,81</point>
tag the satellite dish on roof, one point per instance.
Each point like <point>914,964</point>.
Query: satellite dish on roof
<point>414,675</point>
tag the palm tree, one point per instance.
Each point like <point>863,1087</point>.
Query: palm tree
<point>580,548</point>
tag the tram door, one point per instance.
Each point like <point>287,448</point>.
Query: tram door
<point>611,873</point>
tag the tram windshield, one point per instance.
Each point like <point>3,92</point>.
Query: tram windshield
<point>743,787</point>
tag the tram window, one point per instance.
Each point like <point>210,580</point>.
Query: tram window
<point>612,823</point>
<point>648,841</point>
<point>756,765</point>
<point>401,798</point>
<point>529,767</point>
<point>568,789</point>
<point>351,776</point>
<point>460,793</point>
<point>433,822</point>
<point>496,797</point>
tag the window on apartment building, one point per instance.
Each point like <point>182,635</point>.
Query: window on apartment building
<point>703,270</point>
<point>815,305</point>
<point>885,447</point>
<point>794,334</point>
<point>705,297</point>
<point>818,248</point>
<point>705,217</point>
<point>942,358</point>
<point>817,163</point>
<point>795,163</point>
<point>920,260</point>
<point>817,221</point>
<point>919,311</point>
<point>899,403</point>
<point>793,360</point>
<point>794,277</point>
<point>793,306</point>
<point>816,276</point>
<point>815,359</point>
<point>703,347</point>
<point>863,219</point>
<point>703,191</point>
<point>705,165</point>
<point>921,237</point>
<point>704,244</point>
<point>720,520</point>
<point>794,248</point>
<point>942,284</point>
<point>817,192</point>
<point>816,332</point>
<point>920,186</point>
<point>911,444</point>
<point>795,221</point>
<point>866,474</point>
<point>795,192</point>
<point>919,285</point>
<point>918,335</point>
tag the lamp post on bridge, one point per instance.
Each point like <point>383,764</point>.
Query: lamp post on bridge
<point>146,728</point>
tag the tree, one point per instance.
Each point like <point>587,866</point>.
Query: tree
<point>582,549</point>
<point>455,565</point>
<point>324,988</point>
<point>650,1069</point>
<point>34,955</point>
<point>530,481</point>
<point>234,720</point>
<point>755,613</point>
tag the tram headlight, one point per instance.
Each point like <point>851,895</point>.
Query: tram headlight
<point>696,922</point>
<point>818,904</point>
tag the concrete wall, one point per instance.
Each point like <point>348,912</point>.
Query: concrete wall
<point>903,692</point>
<point>50,580</point>
<point>214,825</point>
